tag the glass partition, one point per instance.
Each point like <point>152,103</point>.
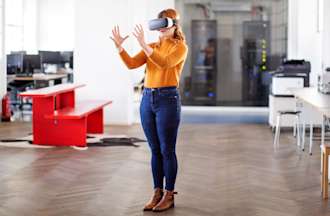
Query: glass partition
<point>233,47</point>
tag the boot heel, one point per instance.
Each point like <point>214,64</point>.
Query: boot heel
<point>166,203</point>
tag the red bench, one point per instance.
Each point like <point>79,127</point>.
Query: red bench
<point>59,120</point>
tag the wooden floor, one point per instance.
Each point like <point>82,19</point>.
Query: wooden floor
<point>224,170</point>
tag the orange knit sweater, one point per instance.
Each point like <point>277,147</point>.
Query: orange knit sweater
<point>164,65</point>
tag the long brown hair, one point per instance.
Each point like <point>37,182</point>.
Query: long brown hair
<point>173,14</point>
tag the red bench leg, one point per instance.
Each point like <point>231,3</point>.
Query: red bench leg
<point>68,132</point>
<point>56,132</point>
<point>41,126</point>
<point>66,99</point>
<point>65,133</point>
<point>95,122</point>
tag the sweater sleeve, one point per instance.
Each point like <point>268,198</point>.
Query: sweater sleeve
<point>135,61</point>
<point>177,55</point>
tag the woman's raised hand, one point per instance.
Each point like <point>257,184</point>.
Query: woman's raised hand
<point>139,35</point>
<point>117,38</point>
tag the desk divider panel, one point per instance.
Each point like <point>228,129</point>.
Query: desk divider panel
<point>66,99</point>
<point>95,122</point>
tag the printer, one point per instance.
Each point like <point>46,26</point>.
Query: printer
<point>290,74</point>
<point>323,83</point>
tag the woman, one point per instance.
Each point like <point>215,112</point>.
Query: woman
<point>160,106</point>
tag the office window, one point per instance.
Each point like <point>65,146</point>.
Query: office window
<point>14,25</point>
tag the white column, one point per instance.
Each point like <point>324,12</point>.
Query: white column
<point>293,29</point>
<point>304,35</point>
<point>30,14</point>
<point>3,73</point>
<point>326,34</point>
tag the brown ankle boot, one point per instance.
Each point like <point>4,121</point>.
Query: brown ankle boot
<point>167,202</point>
<point>156,197</point>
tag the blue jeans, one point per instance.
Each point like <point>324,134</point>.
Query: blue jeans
<point>160,117</point>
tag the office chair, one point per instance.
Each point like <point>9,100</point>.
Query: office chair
<point>296,128</point>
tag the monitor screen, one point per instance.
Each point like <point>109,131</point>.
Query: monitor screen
<point>67,57</point>
<point>31,62</point>
<point>14,63</point>
<point>50,57</point>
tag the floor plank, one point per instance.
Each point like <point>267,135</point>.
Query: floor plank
<point>224,169</point>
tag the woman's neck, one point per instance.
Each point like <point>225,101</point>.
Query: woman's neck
<point>163,38</point>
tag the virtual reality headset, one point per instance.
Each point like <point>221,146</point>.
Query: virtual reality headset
<point>157,24</point>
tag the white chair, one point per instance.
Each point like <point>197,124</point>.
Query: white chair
<point>310,137</point>
<point>296,128</point>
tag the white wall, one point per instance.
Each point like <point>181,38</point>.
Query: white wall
<point>3,75</point>
<point>326,34</point>
<point>30,31</point>
<point>97,63</point>
<point>55,24</point>
<point>304,37</point>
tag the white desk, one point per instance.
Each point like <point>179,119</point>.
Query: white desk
<point>322,104</point>
<point>39,78</point>
<point>313,97</point>
<point>317,99</point>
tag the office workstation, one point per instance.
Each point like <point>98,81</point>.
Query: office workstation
<point>192,107</point>
<point>33,71</point>
<point>319,99</point>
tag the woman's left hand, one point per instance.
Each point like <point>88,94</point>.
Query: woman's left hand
<point>139,35</point>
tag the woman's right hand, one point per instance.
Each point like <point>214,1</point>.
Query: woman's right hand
<point>117,38</point>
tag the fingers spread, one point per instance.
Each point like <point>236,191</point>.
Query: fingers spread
<point>118,30</point>
<point>140,27</point>
<point>136,29</point>
<point>135,35</point>
<point>114,32</point>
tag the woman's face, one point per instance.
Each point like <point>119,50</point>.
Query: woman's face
<point>166,32</point>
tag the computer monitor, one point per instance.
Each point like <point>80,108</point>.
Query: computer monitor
<point>50,61</point>
<point>71,62</point>
<point>50,57</point>
<point>67,57</point>
<point>31,63</point>
<point>14,63</point>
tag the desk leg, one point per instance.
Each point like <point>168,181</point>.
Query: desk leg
<point>323,131</point>
<point>41,126</point>
<point>95,122</point>
<point>325,174</point>
<point>310,137</point>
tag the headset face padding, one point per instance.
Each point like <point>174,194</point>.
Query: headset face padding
<point>157,24</point>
